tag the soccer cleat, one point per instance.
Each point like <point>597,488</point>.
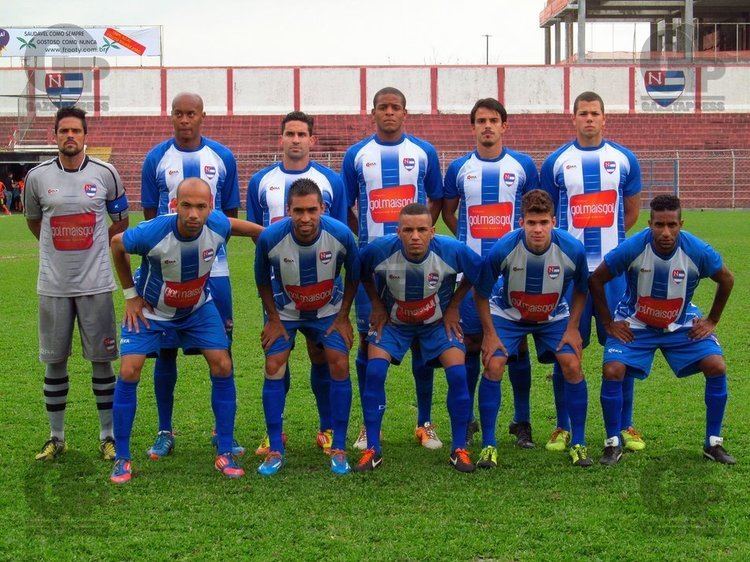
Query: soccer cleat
<point>370,460</point>
<point>580,456</point>
<point>339,462</point>
<point>228,466</point>
<point>488,457</point>
<point>121,472</point>
<point>471,430</point>
<point>265,445</point>
<point>163,445</point>
<point>716,452</point>
<point>325,440</point>
<point>522,431</point>
<point>612,452</point>
<point>361,442</point>
<point>632,440</point>
<point>237,449</point>
<point>558,441</point>
<point>461,461</point>
<point>427,437</point>
<point>107,448</point>
<point>51,449</point>
<point>272,464</point>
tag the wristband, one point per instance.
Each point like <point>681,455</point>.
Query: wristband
<point>129,293</point>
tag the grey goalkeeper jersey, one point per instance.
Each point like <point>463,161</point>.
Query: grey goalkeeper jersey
<point>74,241</point>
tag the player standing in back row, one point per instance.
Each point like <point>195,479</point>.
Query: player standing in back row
<point>382,174</point>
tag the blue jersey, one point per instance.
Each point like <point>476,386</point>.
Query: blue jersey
<point>381,178</point>
<point>268,188</point>
<point>660,288</point>
<point>418,292</point>
<point>174,269</point>
<point>489,193</point>
<point>533,285</point>
<point>303,276</point>
<point>588,186</point>
<point>166,166</point>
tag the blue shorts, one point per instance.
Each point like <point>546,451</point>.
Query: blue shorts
<point>470,323</point>
<point>313,329</point>
<point>202,329</point>
<point>396,340</point>
<point>682,353</point>
<point>362,308</point>
<point>547,336</point>
<point>614,291</point>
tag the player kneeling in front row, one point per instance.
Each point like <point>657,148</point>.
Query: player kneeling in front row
<point>297,262</point>
<point>663,266</point>
<point>410,279</point>
<point>537,263</point>
<point>178,251</point>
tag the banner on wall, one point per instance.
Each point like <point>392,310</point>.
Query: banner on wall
<point>66,40</point>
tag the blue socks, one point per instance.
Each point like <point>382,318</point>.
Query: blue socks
<point>373,401</point>
<point>473,366</point>
<point>340,401</point>
<point>423,379</point>
<point>519,373</point>
<point>361,365</point>
<point>274,398</point>
<point>576,397</point>
<point>489,407</point>
<point>611,399</point>
<point>165,378</point>
<point>287,379</point>
<point>626,418</point>
<point>558,387</point>
<point>224,405</point>
<point>458,405</point>
<point>320,382</point>
<point>123,414</point>
<point>716,401</point>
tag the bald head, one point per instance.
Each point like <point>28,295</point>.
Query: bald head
<point>187,119</point>
<point>190,99</point>
<point>193,188</point>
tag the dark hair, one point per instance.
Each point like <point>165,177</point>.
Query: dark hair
<point>298,116</point>
<point>666,203</point>
<point>303,187</point>
<point>388,90</point>
<point>587,96</point>
<point>76,112</point>
<point>493,105</point>
<point>415,209</point>
<point>537,201</point>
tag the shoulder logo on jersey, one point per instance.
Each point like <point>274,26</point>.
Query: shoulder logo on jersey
<point>208,254</point>
<point>274,188</point>
<point>678,276</point>
<point>393,276</point>
<point>185,294</point>
<point>325,257</point>
<point>416,312</point>
<point>73,232</point>
<point>167,261</point>
<point>534,307</point>
<point>52,191</point>
<point>288,260</point>
<point>553,271</point>
<point>310,297</point>
<point>386,203</point>
<point>657,313</point>
<point>570,166</point>
<point>90,190</point>
<point>594,210</point>
<point>209,171</point>
<point>509,178</point>
<point>490,221</point>
<point>173,172</point>
<point>409,164</point>
<point>370,164</point>
<point>432,280</point>
<point>610,166</point>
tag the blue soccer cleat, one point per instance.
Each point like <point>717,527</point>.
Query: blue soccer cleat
<point>272,464</point>
<point>237,449</point>
<point>228,466</point>
<point>121,471</point>
<point>163,445</point>
<point>339,462</point>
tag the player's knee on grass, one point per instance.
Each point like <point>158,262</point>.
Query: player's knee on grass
<point>338,364</point>
<point>713,366</point>
<point>571,367</point>
<point>473,343</point>
<point>613,371</point>
<point>219,362</point>
<point>494,370</point>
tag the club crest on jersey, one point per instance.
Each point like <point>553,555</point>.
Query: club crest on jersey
<point>90,189</point>
<point>509,178</point>
<point>209,171</point>
<point>610,166</point>
<point>553,271</point>
<point>325,257</point>
<point>208,255</point>
<point>678,276</point>
<point>432,280</point>
<point>409,164</point>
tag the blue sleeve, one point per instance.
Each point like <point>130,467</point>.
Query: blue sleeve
<point>339,209</point>
<point>491,266</point>
<point>547,180</point>
<point>224,227</point>
<point>633,179</point>
<point>352,262</point>
<point>349,179</point>
<point>471,264</point>
<point>230,189</point>
<point>254,212</point>
<point>149,188</point>
<point>532,176</point>
<point>365,262</point>
<point>710,263</point>
<point>262,263</point>
<point>581,278</point>
<point>619,259</point>
<point>433,180</point>
<point>450,188</point>
<point>135,240</point>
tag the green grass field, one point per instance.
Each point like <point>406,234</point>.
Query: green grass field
<point>664,503</point>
